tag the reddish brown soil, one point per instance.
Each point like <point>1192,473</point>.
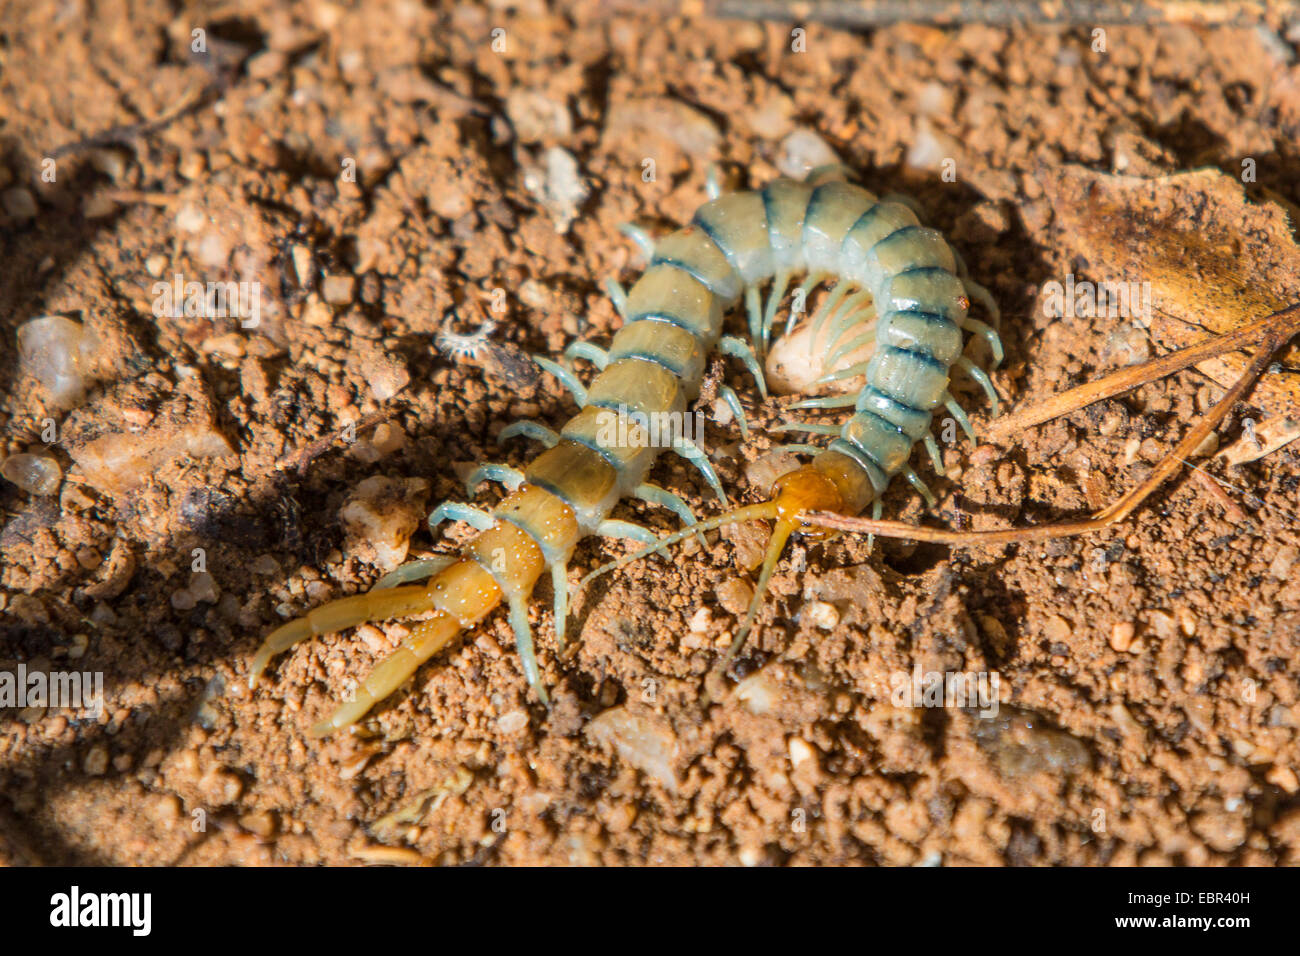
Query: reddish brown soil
<point>1149,674</point>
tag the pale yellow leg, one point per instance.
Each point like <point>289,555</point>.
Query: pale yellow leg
<point>340,614</point>
<point>426,639</point>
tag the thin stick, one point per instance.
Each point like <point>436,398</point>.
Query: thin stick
<point>1128,378</point>
<point>1284,325</point>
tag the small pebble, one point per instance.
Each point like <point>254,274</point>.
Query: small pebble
<point>34,474</point>
<point>512,722</point>
<point>96,761</point>
<point>20,204</point>
<point>57,352</point>
<point>734,594</point>
<point>1121,635</point>
<point>338,289</point>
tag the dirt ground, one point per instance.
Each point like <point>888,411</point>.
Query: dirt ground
<point>373,166</point>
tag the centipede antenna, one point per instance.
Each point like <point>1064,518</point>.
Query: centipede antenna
<point>512,478</point>
<point>587,350</point>
<point>739,348</point>
<point>775,545</point>
<point>728,395</point>
<point>535,430</point>
<point>477,518</point>
<point>566,378</point>
<point>760,511</point>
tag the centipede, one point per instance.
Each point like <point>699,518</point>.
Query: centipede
<point>896,289</point>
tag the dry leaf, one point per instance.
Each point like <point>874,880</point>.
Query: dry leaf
<point>1214,260</point>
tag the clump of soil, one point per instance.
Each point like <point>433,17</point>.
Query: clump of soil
<point>375,171</point>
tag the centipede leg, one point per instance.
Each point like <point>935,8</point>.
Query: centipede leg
<point>754,312</point>
<point>613,528</point>
<point>654,495</point>
<point>936,458</point>
<point>728,395</point>
<point>826,401</point>
<point>618,295</point>
<point>477,518</point>
<point>567,378</point>
<point>739,348</point>
<point>777,293</point>
<point>535,430</point>
<point>642,238</point>
<point>587,350</point>
<point>989,335</point>
<point>511,477</point>
<point>695,455</point>
<point>413,571</point>
<point>959,416</point>
<point>982,379</point>
<point>916,482</point>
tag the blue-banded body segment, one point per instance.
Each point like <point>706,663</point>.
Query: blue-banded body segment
<point>738,224</point>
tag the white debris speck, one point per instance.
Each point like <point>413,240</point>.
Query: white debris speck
<point>646,743</point>
<point>380,515</point>
<point>802,151</point>
<point>823,614</point>
<point>701,621</point>
<point>558,186</point>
